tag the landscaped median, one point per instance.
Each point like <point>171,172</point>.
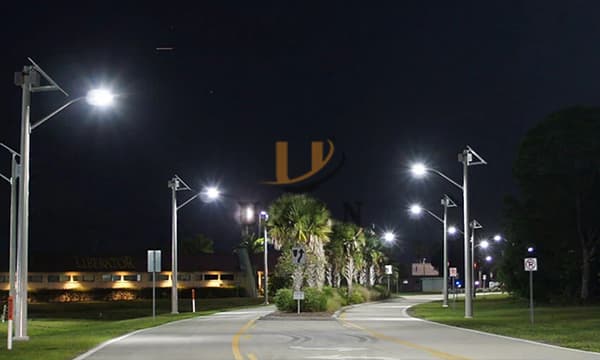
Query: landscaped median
<point>575,327</point>
<point>60,331</point>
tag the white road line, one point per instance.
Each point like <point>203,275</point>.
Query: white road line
<point>347,318</point>
<point>340,349</point>
<point>342,357</point>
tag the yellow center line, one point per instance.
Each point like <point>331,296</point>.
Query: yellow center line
<point>235,343</point>
<point>434,352</point>
<point>252,356</point>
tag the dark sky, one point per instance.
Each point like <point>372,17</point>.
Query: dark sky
<point>389,83</point>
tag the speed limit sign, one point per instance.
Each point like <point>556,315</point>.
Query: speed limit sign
<point>530,264</point>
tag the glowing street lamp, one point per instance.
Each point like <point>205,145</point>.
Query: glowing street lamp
<point>389,236</point>
<point>452,230</point>
<point>177,184</point>
<point>468,157</point>
<point>29,81</point>
<point>497,238</point>
<point>488,258</point>
<point>484,244</point>
<point>416,209</point>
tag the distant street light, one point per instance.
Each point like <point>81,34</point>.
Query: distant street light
<point>446,203</point>
<point>484,244</point>
<point>29,81</point>
<point>389,236</point>
<point>177,184</point>
<point>488,258</point>
<point>452,230</point>
<point>497,238</point>
<point>530,249</point>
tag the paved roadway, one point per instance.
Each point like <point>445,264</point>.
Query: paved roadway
<point>372,331</point>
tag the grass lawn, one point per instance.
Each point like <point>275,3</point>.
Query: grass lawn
<point>570,326</point>
<point>64,330</point>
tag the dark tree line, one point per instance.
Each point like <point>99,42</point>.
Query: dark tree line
<point>557,211</point>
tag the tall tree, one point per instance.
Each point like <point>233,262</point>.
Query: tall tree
<point>558,173</point>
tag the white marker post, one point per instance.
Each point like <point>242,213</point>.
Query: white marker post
<point>193,300</point>
<point>531,266</point>
<point>10,323</point>
<point>154,258</point>
<point>298,295</point>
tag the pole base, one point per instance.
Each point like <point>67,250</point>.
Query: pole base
<point>174,312</point>
<point>445,305</point>
<point>468,316</point>
<point>21,338</point>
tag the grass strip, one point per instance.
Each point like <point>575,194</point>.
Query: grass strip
<point>576,327</point>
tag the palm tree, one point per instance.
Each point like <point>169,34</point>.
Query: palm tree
<point>374,256</point>
<point>300,220</point>
<point>352,240</point>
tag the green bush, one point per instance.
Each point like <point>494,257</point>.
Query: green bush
<point>334,299</point>
<point>314,300</point>
<point>284,300</point>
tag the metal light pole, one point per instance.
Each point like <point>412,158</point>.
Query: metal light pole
<point>264,216</point>
<point>176,184</point>
<point>474,226</point>
<point>466,158</point>
<point>29,81</point>
<point>446,203</point>
<point>13,217</point>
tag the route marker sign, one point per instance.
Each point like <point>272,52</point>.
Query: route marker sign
<point>453,272</point>
<point>388,270</point>
<point>298,295</point>
<point>298,255</point>
<point>530,264</point>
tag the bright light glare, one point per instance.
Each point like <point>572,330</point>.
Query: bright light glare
<point>264,215</point>
<point>530,249</point>
<point>488,258</point>
<point>416,209</point>
<point>497,237</point>
<point>249,213</point>
<point>212,193</point>
<point>389,236</point>
<point>452,230</point>
<point>484,244</point>
<point>418,169</point>
<point>100,97</point>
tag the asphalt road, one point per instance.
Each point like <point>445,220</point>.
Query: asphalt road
<point>372,331</point>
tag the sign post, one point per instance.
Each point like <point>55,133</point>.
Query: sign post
<point>154,267</point>
<point>10,323</point>
<point>530,266</point>
<point>388,272</point>
<point>298,295</point>
<point>193,300</point>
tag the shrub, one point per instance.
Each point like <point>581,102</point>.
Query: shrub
<point>314,300</point>
<point>284,300</point>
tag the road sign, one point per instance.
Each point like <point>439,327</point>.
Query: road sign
<point>298,295</point>
<point>388,270</point>
<point>154,261</point>
<point>453,272</point>
<point>298,255</point>
<point>530,264</point>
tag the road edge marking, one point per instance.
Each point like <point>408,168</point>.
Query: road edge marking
<point>235,343</point>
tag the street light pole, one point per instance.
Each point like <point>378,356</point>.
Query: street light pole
<point>466,158</point>
<point>174,185</point>
<point>29,81</point>
<point>13,217</point>
<point>474,226</point>
<point>446,202</point>
<point>265,216</point>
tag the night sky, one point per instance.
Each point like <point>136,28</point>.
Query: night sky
<point>388,84</point>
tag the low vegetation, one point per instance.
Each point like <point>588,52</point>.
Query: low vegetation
<point>576,327</point>
<point>328,299</point>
